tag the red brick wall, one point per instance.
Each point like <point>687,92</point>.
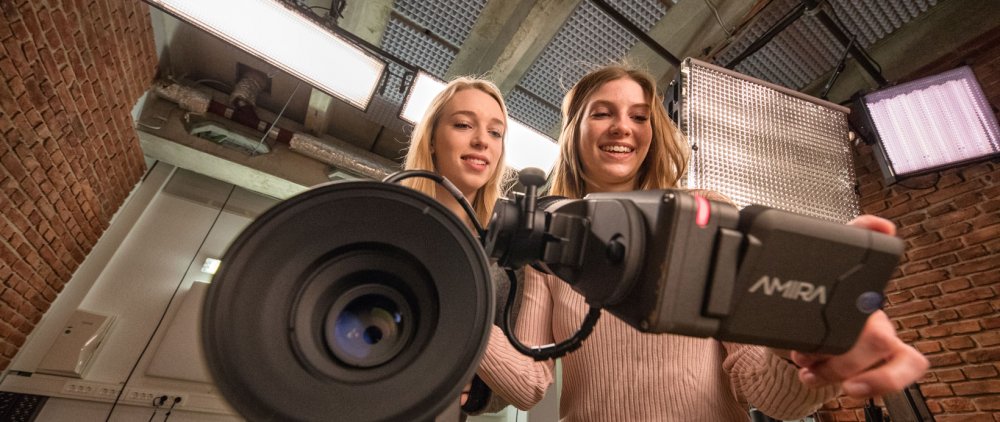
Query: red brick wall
<point>71,72</point>
<point>945,300</point>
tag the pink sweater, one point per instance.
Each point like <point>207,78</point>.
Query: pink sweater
<point>620,374</point>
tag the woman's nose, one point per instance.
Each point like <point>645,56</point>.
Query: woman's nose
<point>619,126</point>
<point>478,140</point>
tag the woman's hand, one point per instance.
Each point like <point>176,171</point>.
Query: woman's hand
<point>878,363</point>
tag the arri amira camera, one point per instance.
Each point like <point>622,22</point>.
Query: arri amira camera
<point>370,301</point>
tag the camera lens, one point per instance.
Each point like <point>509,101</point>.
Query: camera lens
<point>368,326</point>
<point>346,295</point>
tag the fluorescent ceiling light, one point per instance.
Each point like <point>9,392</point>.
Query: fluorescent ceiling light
<point>422,92</point>
<point>526,147</point>
<point>931,123</point>
<point>287,40</point>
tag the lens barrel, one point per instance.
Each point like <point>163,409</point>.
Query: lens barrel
<point>351,301</point>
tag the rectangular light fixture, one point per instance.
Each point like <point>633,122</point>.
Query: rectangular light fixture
<point>929,124</point>
<point>287,40</point>
<point>210,266</point>
<point>422,91</point>
<point>759,143</point>
<point>526,147</point>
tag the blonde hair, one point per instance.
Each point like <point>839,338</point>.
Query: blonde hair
<point>668,153</point>
<point>420,157</point>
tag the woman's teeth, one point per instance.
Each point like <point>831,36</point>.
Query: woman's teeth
<point>476,161</point>
<point>616,148</point>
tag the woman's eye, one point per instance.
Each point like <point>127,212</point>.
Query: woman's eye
<point>496,134</point>
<point>462,125</point>
<point>640,118</point>
<point>600,114</point>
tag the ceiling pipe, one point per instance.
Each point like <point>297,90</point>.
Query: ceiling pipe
<point>336,153</point>
<point>342,156</point>
<point>245,92</point>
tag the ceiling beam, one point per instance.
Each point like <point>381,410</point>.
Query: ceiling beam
<point>496,26</point>
<point>537,29</point>
<point>367,19</point>
<point>687,30</point>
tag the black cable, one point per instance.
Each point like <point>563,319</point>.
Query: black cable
<point>862,50</point>
<point>837,71</point>
<point>537,353</point>
<point>443,181</point>
<point>169,302</point>
<point>550,351</point>
<point>171,409</point>
<point>157,402</point>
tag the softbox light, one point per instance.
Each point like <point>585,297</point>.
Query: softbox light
<point>273,32</point>
<point>759,143</point>
<point>928,124</point>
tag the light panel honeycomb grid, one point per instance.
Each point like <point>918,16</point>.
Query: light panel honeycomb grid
<point>805,50</point>
<point>451,20</point>
<point>758,145</point>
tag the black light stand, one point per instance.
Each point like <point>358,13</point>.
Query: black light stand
<point>812,7</point>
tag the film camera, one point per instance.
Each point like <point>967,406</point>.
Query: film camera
<point>371,301</point>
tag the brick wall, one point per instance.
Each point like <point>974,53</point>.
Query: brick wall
<point>945,300</point>
<point>71,72</point>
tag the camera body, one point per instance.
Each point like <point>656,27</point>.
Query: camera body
<point>666,261</point>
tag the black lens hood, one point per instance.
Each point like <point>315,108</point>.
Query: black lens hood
<point>263,318</point>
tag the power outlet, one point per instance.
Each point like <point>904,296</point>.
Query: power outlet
<point>91,389</point>
<point>148,397</point>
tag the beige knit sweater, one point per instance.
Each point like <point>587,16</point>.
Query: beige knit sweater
<point>620,374</point>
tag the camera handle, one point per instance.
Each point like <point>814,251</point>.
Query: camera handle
<point>530,223</point>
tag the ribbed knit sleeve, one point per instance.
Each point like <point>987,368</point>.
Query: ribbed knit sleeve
<point>516,378</point>
<point>621,374</point>
<point>771,384</point>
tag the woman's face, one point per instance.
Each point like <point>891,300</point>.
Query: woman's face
<point>468,140</point>
<point>615,134</point>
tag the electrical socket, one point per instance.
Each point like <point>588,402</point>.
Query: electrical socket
<point>145,397</point>
<point>90,389</point>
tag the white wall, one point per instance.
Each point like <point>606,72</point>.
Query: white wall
<point>142,277</point>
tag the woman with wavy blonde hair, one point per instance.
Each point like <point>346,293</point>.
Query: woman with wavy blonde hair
<point>668,153</point>
<point>461,137</point>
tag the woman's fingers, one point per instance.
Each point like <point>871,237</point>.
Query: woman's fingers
<point>878,363</point>
<point>874,223</point>
<point>904,368</point>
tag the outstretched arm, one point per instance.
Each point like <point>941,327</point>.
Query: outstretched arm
<point>878,363</point>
